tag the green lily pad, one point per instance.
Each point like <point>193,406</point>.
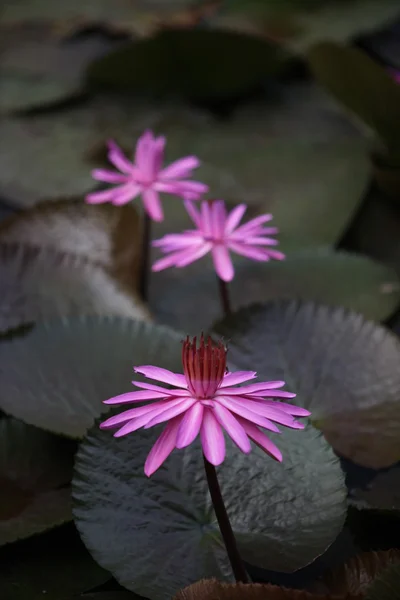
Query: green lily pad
<point>40,284</point>
<point>356,575</point>
<point>363,87</point>
<point>36,71</point>
<point>200,64</point>
<point>55,566</point>
<point>141,18</point>
<point>35,470</point>
<point>103,234</point>
<point>60,373</point>
<point>386,586</point>
<point>382,494</point>
<point>300,24</point>
<point>344,370</point>
<point>171,514</point>
<point>335,278</point>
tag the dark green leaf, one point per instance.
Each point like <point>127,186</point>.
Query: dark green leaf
<point>344,369</point>
<point>57,376</point>
<point>35,470</point>
<point>382,494</point>
<point>37,284</point>
<point>386,586</point>
<point>54,566</point>
<point>363,87</point>
<point>200,64</point>
<point>131,523</point>
<point>334,278</point>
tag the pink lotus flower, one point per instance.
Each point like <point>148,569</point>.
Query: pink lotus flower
<point>146,177</point>
<point>218,233</point>
<point>205,400</point>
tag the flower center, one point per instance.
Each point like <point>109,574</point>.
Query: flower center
<point>204,367</point>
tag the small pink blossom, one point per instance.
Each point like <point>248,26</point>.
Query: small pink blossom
<point>146,176</point>
<point>206,399</point>
<point>218,232</point>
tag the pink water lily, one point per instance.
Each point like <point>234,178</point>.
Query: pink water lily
<point>205,400</point>
<point>219,233</point>
<point>146,176</point>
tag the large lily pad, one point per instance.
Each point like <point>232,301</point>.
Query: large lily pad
<point>35,470</point>
<point>382,494</point>
<point>170,514</point>
<point>37,71</point>
<point>363,87</point>
<point>344,370</point>
<point>335,278</point>
<point>199,64</point>
<point>55,566</point>
<point>141,18</point>
<point>300,24</point>
<point>41,284</point>
<point>60,373</point>
<point>104,234</point>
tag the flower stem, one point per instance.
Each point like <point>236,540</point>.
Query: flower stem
<point>224,524</point>
<point>145,258</point>
<point>224,296</point>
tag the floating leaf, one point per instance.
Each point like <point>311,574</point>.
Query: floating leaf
<point>55,566</point>
<point>357,574</point>
<point>364,87</point>
<point>216,590</point>
<point>200,64</point>
<point>171,514</point>
<point>36,71</point>
<point>103,234</point>
<point>35,470</point>
<point>335,278</point>
<point>386,586</point>
<point>140,18</point>
<point>60,373</point>
<point>382,494</point>
<point>41,284</point>
<point>300,24</point>
<point>344,370</point>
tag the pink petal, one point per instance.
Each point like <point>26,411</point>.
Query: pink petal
<point>143,149</point>
<point>157,156</point>
<point>193,213</point>
<point>168,261</point>
<point>273,414</point>
<point>194,254</point>
<point>261,241</point>
<point>218,218</point>
<point>163,447</point>
<point>134,413</point>
<point>242,410</point>
<point>222,262</point>
<point>291,409</point>
<point>152,204</point>
<point>158,388</point>
<point>118,158</point>
<point>236,378</point>
<point>173,411</point>
<point>206,227</point>
<point>135,397</point>
<point>190,426</point>
<point>163,375</point>
<point>126,193</point>
<point>180,168</point>
<point>254,388</point>
<point>108,176</point>
<point>189,190</point>
<point>234,218</point>
<point>276,254</point>
<point>212,439</point>
<point>103,196</point>
<point>256,222</point>
<point>261,440</point>
<point>232,427</point>
<point>172,242</point>
<point>248,251</point>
